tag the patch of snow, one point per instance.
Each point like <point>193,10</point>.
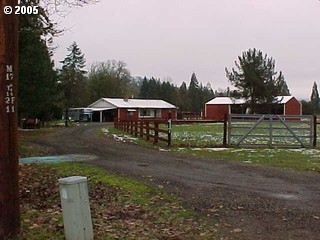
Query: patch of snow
<point>217,149</point>
<point>181,149</point>
<point>164,150</point>
<point>105,131</point>
<point>197,149</point>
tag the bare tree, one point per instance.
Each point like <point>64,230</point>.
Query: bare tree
<point>62,7</point>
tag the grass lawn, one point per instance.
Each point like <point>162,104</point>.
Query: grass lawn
<point>121,208</point>
<point>201,139</point>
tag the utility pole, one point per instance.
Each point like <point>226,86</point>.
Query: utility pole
<point>9,163</point>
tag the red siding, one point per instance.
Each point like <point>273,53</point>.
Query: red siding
<point>292,107</point>
<point>216,111</point>
<point>165,113</point>
<point>124,115</point>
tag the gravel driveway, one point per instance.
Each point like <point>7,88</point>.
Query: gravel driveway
<point>245,201</point>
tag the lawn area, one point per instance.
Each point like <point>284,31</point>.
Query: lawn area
<point>202,140</point>
<point>200,135</point>
<point>121,208</point>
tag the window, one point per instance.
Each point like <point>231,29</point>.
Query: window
<point>130,112</point>
<point>149,113</point>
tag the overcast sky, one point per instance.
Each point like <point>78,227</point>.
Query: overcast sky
<point>173,38</point>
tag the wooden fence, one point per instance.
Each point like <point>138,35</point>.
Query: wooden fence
<point>148,129</point>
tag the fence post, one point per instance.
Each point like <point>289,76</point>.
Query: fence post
<point>131,127</point>
<point>315,119</point>
<point>156,132</point>
<point>148,131</point>
<point>169,138</point>
<point>225,129</point>
<point>270,130</point>
<point>127,126</point>
<point>141,129</point>
<point>135,128</point>
<point>116,123</point>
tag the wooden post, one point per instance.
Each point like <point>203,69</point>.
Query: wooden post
<point>315,119</point>
<point>66,118</point>
<point>131,127</point>
<point>148,130</point>
<point>225,129</point>
<point>136,129</point>
<point>169,125</point>
<point>127,126</point>
<point>156,132</point>
<point>9,162</point>
<point>141,129</point>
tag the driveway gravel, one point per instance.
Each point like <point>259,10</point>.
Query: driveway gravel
<point>244,201</point>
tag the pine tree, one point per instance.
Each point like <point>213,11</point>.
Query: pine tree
<point>144,89</point>
<point>255,78</point>
<point>38,91</point>
<point>194,93</point>
<point>315,99</point>
<point>183,99</point>
<point>281,86</point>
<point>71,77</point>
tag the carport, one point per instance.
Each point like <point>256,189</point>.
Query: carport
<point>103,114</point>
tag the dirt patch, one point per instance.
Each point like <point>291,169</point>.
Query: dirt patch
<point>245,201</point>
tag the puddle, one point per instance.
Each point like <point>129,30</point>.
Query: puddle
<point>56,159</point>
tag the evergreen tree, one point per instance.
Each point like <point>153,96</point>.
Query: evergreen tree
<point>307,108</point>
<point>281,86</point>
<point>315,99</point>
<point>38,92</point>
<point>72,77</point>
<point>255,78</point>
<point>144,89</point>
<point>207,94</point>
<point>183,99</point>
<point>151,88</point>
<point>168,92</point>
<point>194,93</point>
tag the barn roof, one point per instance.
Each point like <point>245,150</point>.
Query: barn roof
<point>226,101</point>
<point>131,103</point>
<point>284,99</point>
<point>232,101</point>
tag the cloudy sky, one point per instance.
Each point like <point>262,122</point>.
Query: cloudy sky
<point>173,38</point>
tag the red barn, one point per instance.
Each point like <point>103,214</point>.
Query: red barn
<point>107,109</point>
<point>216,108</point>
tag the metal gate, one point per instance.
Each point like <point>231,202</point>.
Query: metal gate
<point>271,130</point>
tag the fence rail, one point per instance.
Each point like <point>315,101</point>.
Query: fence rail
<point>272,130</point>
<point>148,129</point>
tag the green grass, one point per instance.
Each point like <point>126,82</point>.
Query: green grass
<point>197,134</point>
<point>154,211</point>
<point>121,208</point>
<point>182,135</point>
<point>139,191</point>
<point>198,140</point>
<point>296,159</point>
